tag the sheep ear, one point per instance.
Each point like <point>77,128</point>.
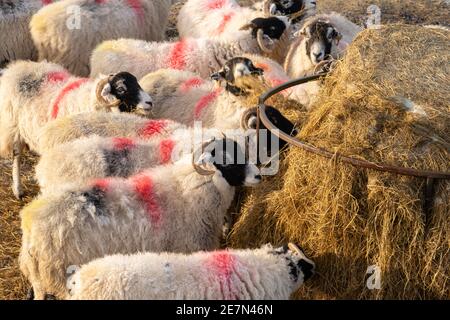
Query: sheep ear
<point>217,76</point>
<point>106,91</point>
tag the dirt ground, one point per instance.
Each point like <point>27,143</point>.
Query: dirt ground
<point>12,283</point>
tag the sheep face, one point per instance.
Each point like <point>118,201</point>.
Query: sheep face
<point>320,37</point>
<point>288,7</point>
<point>235,68</point>
<point>250,120</point>
<point>225,158</point>
<point>272,27</point>
<point>124,87</point>
<point>300,267</point>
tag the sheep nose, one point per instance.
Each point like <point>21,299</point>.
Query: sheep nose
<point>258,177</point>
<point>149,103</point>
<point>318,55</point>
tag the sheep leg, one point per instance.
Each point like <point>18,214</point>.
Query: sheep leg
<point>30,294</point>
<point>17,186</point>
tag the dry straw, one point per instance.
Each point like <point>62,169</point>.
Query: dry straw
<point>386,102</point>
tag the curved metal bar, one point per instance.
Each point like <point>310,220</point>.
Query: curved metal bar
<point>325,153</point>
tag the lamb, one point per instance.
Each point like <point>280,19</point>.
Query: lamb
<point>202,56</point>
<point>32,94</point>
<point>96,157</point>
<point>322,37</point>
<point>178,207</point>
<point>102,124</point>
<point>68,31</point>
<point>265,273</point>
<point>224,18</point>
<point>15,15</point>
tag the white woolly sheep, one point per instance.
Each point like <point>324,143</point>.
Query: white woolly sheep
<point>322,37</point>
<point>266,273</point>
<point>102,124</point>
<point>32,94</point>
<point>202,56</point>
<point>66,32</point>
<point>225,18</point>
<point>178,207</point>
<point>16,15</point>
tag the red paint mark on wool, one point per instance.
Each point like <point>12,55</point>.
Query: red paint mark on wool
<point>223,24</point>
<point>123,143</point>
<point>100,1</point>
<point>69,87</point>
<point>102,184</point>
<point>215,4</point>
<point>191,83</point>
<point>204,102</point>
<point>151,128</point>
<point>165,150</point>
<point>46,2</point>
<point>263,66</point>
<point>57,76</point>
<point>138,9</point>
<point>143,186</point>
<point>223,264</point>
<point>177,56</point>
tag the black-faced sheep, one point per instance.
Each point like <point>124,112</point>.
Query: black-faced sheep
<point>178,207</point>
<point>266,273</point>
<point>32,94</point>
<point>66,32</point>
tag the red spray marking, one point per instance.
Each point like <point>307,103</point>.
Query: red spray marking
<point>69,87</point>
<point>263,66</point>
<point>191,83</point>
<point>138,9</point>
<point>225,20</point>
<point>143,186</point>
<point>165,150</point>
<point>123,143</point>
<point>151,128</point>
<point>223,263</point>
<point>102,184</point>
<point>57,76</point>
<point>204,102</point>
<point>177,56</point>
<point>100,1</point>
<point>46,2</point>
<point>216,4</point>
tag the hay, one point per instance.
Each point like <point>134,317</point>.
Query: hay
<point>350,218</point>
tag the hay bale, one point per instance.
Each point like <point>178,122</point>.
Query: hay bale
<point>386,102</point>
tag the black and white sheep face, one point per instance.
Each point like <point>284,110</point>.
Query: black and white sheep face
<point>288,7</point>
<point>320,37</point>
<point>300,267</point>
<point>124,87</point>
<point>227,157</point>
<point>280,121</point>
<point>235,68</point>
<point>272,27</point>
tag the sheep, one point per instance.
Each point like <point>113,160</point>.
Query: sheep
<point>202,56</point>
<point>266,273</point>
<point>66,32</point>
<point>67,129</point>
<point>96,157</point>
<point>224,18</point>
<point>15,15</point>
<point>322,37</point>
<point>32,94</point>
<point>177,207</point>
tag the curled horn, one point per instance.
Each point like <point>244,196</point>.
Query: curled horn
<point>100,98</point>
<point>297,14</point>
<point>266,7</point>
<point>246,116</point>
<point>260,39</point>
<point>198,168</point>
<point>293,247</point>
